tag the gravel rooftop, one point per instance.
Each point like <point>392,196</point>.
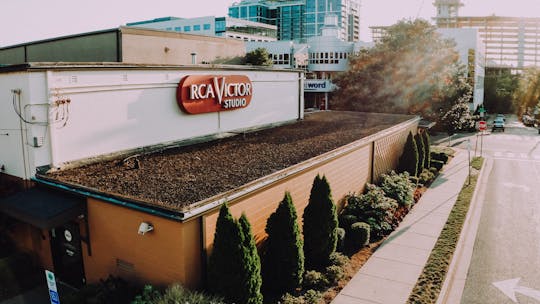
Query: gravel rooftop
<point>178,177</point>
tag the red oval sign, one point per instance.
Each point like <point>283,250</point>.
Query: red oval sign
<point>212,93</point>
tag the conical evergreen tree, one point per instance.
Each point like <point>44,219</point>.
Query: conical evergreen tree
<point>427,149</point>
<point>283,260</point>
<point>408,161</point>
<point>320,225</point>
<point>250,291</point>
<point>225,265</point>
<point>421,152</point>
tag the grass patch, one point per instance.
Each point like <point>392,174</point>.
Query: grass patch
<point>429,283</point>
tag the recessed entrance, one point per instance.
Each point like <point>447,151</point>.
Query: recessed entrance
<point>67,254</point>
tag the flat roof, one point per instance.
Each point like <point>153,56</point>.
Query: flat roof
<point>178,179</point>
<point>68,66</point>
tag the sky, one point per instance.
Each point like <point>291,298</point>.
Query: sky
<point>31,20</point>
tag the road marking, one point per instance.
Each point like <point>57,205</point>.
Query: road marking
<point>523,155</point>
<point>510,155</point>
<point>497,154</point>
<point>510,288</point>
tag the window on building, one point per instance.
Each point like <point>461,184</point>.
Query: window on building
<point>169,29</point>
<point>206,26</point>
<point>177,29</point>
<point>187,28</point>
<point>197,27</point>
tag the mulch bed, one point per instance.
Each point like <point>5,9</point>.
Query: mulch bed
<point>178,177</point>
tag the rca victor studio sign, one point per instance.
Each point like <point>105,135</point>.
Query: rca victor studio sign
<point>198,94</point>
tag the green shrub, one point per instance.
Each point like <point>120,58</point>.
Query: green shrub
<point>234,266</point>
<point>398,187</point>
<point>149,295</point>
<point>346,220</point>
<point>375,209</point>
<point>440,156</point>
<point>334,274</point>
<point>250,292</point>
<point>341,233</point>
<point>408,161</point>
<point>421,150</point>
<point>310,297</point>
<point>426,177</point>
<point>427,150</point>
<point>339,259</point>
<point>320,225</point>
<point>437,164</point>
<point>283,259</point>
<point>314,280</point>
<point>359,234</point>
<point>176,293</point>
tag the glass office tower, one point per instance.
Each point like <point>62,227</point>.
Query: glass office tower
<point>298,20</point>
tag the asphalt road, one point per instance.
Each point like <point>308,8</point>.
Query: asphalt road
<point>507,246</point>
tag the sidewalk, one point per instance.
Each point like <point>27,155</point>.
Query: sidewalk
<point>390,274</point>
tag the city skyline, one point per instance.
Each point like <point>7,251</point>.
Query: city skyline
<point>33,20</point>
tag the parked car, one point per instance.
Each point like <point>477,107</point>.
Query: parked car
<point>498,124</point>
<point>501,116</point>
<point>528,120</point>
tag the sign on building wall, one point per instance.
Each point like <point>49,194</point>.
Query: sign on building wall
<point>318,85</point>
<point>198,94</point>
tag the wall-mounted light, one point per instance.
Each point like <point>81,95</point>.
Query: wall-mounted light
<point>145,227</point>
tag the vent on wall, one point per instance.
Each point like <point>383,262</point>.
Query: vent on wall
<point>124,266</point>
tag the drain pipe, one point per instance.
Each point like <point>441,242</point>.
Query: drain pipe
<point>17,97</point>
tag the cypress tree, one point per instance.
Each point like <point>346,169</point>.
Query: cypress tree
<point>283,260</point>
<point>225,265</point>
<point>408,161</point>
<point>250,291</point>
<point>421,152</point>
<point>427,150</point>
<point>320,225</point>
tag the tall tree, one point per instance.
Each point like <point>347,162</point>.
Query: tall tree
<point>258,56</point>
<point>408,161</point>
<point>527,95</point>
<point>283,260</point>
<point>427,149</point>
<point>250,291</point>
<point>225,265</point>
<point>499,88</point>
<point>320,225</point>
<point>421,150</point>
<point>405,72</point>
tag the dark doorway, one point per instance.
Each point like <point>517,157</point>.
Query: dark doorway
<point>67,254</point>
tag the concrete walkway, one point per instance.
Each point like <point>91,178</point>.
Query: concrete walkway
<point>390,274</point>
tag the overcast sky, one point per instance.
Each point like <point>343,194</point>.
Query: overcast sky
<point>30,20</point>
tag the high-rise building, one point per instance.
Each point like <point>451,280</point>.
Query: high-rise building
<point>509,42</point>
<point>301,19</point>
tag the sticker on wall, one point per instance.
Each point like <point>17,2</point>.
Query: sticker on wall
<point>198,94</point>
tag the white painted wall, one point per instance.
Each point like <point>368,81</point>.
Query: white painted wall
<point>468,38</point>
<point>117,110</point>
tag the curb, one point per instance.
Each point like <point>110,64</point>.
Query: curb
<point>460,260</point>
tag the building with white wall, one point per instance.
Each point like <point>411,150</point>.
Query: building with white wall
<point>509,42</point>
<point>321,57</point>
<point>472,54</point>
<point>66,113</point>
